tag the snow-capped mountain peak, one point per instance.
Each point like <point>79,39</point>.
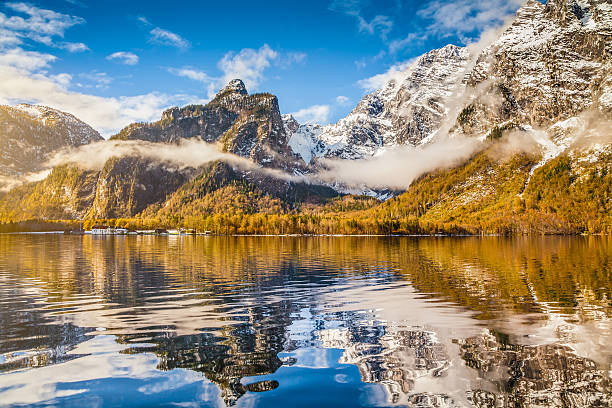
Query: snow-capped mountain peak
<point>408,109</point>
<point>77,131</point>
<point>28,133</point>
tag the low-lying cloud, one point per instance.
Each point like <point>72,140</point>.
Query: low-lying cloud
<point>188,153</point>
<point>398,168</point>
<point>8,183</point>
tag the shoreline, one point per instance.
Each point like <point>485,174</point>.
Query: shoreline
<point>303,235</point>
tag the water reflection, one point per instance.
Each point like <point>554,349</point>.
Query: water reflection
<point>220,321</point>
<point>542,375</point>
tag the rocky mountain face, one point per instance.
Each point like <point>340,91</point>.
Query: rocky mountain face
<point>28,133</point>
<point>247,125</point>
<point>538,98</point>
<point>552,63</point>
<point>549,67</point>
<point>408,109</point>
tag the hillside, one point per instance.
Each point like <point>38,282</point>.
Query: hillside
<point>536,102</point>
<point>248,126</point>
<point>29,133</point>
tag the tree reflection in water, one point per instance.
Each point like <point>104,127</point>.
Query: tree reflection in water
<point>521,322</point>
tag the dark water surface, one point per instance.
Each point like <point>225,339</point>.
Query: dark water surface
<point>313,322</point>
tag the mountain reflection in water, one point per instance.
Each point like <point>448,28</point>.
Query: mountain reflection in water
<point>285,321</point>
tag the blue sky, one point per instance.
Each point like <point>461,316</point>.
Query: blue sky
<point>113,62</point>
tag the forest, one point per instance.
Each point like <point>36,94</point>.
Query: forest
<point>485,195</point>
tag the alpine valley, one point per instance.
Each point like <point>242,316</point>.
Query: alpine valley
<point>533,107</point>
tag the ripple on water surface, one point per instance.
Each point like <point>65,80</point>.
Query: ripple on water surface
<point>290,321</point>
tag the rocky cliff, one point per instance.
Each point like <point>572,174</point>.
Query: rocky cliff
<point>408,109</point>
<point>538,99</point>
<point>247,125</point>
<point>28,133</point>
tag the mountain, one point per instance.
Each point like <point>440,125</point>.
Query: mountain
<point>550,64</point>
<point>408,109</point>
<point>537,100</point>
<point>246,125</point>
<point>547,69</point>
<point>28,133</point>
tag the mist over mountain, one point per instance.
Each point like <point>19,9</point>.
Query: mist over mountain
<point>29,133</point>
<point>512,134</point>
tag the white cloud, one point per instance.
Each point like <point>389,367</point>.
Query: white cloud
<point>101,80</point>
<point>350,7</point>
<point>378,81</point>
<point>76,3</point>
<point>249,65</point>
<point>24,75</point>
<point>191,73</point>
<point>290,58</point>
<point>21,80</point>
<point>74,47</point>
<point>362,63</point>
<point>124,57</point>
<point>144,20</point>
<point>25,60</point>
<point>165,37</point>
<point>341,100</point>
<point>379,24</point>
<point>400,44</point>
<point>189,152</point>
<point>461,17</point>
<point>8,37</point>
<point>397,168</point>
<point>62,79</point>
<point>40,25</point>
<point>313,114</point>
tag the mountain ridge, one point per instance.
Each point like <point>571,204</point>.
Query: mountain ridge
<point>29,133</point>
<point>537,106</point>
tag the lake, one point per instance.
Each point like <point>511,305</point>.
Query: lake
<point>141,321</point>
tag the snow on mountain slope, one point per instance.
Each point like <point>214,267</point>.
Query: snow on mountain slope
<point>550,64</point>
<point>77,132</point>
<point>408,109</point>
<point>549,74</point>
<point>28,133</point>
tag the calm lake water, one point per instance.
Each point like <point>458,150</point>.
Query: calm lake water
<point>315,322</point>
